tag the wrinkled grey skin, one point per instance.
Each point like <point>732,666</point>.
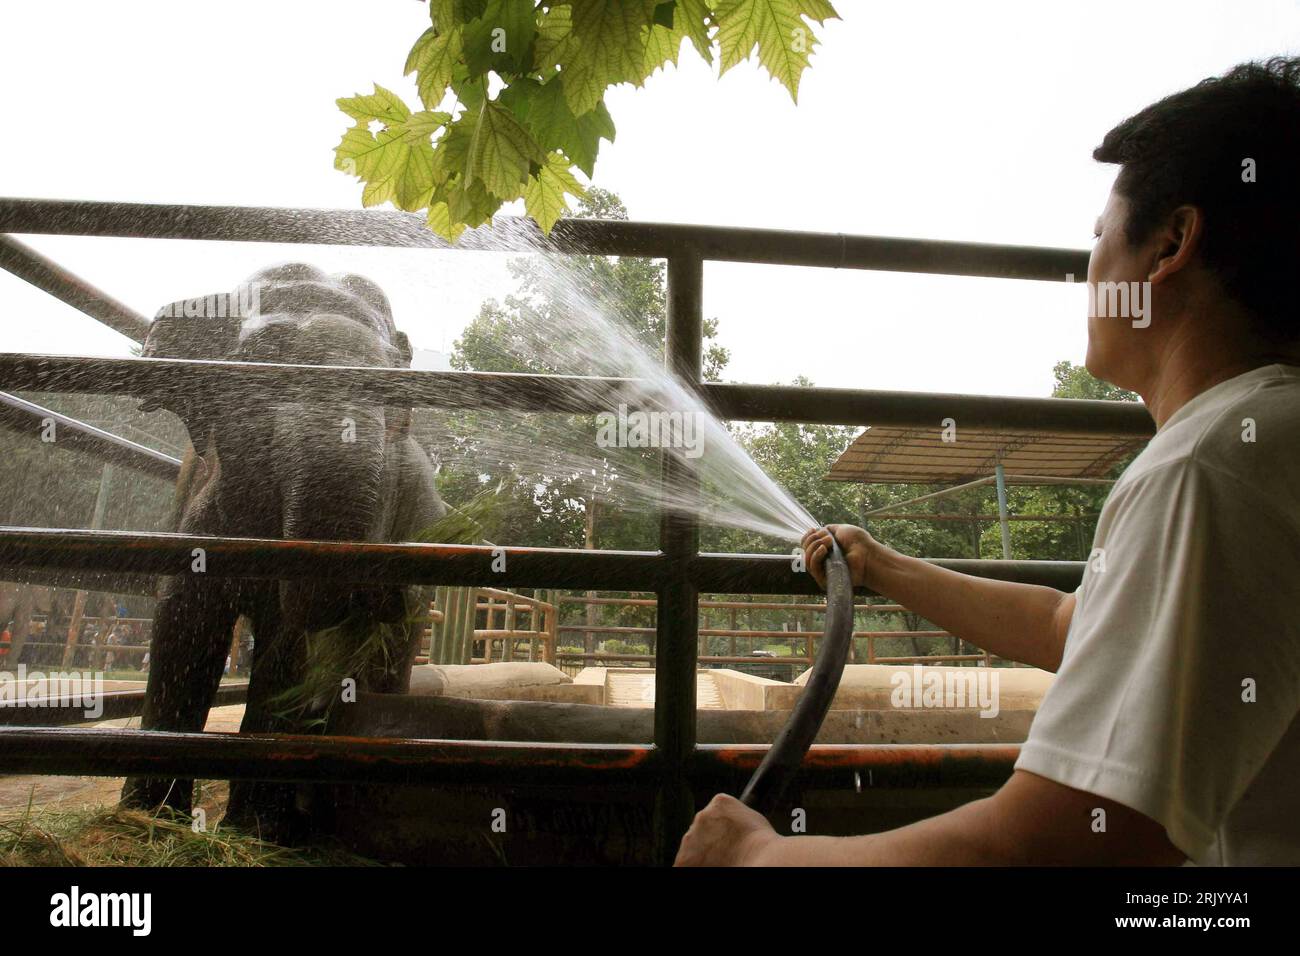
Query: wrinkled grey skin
<point>261,470</point>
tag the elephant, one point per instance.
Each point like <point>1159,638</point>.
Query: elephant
<point>343,470</point>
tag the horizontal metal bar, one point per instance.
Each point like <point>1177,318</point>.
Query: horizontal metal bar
<point>844,406</point>
<point>867,766</point>
<point>588,236</point>
<point>163,377</point>
<point>290,757</point>
<point>108,752</point>
<point>110,582</point>
<point>46,274</point>
<point>358,563</point>
<point>366,563</point>
<point>771,573</point>
<point>562,393</point>
<point>1057,480</point>
<point>27,418</point>
<point>116,704</point>
<point>115,648</point>
<point>916,516</point>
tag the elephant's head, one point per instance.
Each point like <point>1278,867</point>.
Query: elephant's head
<point>322,464</point>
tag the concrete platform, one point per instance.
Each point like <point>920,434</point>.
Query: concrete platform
<point>508,680</point>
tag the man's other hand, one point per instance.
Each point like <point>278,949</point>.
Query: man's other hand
<point>727,833</point>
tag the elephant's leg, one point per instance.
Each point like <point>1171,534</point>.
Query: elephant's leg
<point>279,661</point>
<point>191,635</point>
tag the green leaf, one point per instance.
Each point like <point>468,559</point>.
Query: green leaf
<point>442,14</point>
<point>433,59</point>
<point>662,46</point>
<point>544,195</point>
<point>545,113</point>
<point>553,28</point>
<point>392,169</point>
<point>501,152</point>
<point>440,222</point>
<point>470,203</point>
<point>777,28</point>
<point>382,105</point>
<point>691,17</point>
<point>502,39</point>
<point>470,90</point>
<point>396,164</point>
<point>452,155</point>
<point>421,126</point>
<point>819,11</point>
<point>605,46</point>
<point>663,42</point>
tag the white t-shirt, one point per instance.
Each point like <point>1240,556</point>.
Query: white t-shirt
<point>1179,688</point>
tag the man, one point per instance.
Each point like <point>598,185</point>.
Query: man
<point>1170,733</point>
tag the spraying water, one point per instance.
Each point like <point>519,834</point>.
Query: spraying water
<point>583,328</point>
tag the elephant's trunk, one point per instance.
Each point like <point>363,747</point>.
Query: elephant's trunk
<point>330,469</point>
<point>331,474</point>
<point>330,458</point>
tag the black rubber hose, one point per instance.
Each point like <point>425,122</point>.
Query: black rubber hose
<point>773,777</point>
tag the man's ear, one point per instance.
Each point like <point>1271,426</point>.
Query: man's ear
<point>403,345</point>
<point>1180,239</point>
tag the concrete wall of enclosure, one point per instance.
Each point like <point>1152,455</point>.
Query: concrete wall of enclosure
<point>677,573</point>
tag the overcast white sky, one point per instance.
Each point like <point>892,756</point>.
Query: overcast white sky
<point>949,120</point>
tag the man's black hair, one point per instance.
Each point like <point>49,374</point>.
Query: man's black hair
<point>1191,148</point>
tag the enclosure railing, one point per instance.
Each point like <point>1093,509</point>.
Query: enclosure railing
<point>805,636</point>
<point>455,637</point>
<point>677,572</point>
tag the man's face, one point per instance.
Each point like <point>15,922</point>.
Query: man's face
<point>1117,350</point>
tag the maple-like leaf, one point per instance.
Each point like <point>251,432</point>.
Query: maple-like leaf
<point>433,59</point>
<point>382,105</point>
<point>502,38</point>
<point>544,194</point>
<point>501,152</point>
<point>440,222</point>
<point>395,163</point>
<point>545,113</point>
<point>686,19</point>
<point>777,28</point>
<point>605,46</point>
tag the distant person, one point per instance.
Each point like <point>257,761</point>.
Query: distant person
<point>6,644</point>
<point>1170,733</point>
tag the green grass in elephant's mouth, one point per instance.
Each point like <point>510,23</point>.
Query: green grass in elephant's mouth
<point>358,646</point>
<point>339,661</point>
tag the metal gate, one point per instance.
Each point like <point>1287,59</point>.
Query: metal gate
<point>677,572</point>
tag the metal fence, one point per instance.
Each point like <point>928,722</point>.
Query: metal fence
<point>677,572</point>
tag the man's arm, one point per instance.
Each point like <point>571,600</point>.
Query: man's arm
<point>1030,821</point>
<point>1019,622</point>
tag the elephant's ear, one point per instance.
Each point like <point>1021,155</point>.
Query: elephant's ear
<point>403,350</point>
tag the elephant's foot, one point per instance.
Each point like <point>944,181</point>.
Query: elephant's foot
<point>152,793</point>
<point>267,810</point>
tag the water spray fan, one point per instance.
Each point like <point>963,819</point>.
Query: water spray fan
<point>773,777</point>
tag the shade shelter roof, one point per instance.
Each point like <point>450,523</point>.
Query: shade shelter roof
<point>885,454</point>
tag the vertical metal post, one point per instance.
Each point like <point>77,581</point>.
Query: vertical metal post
<point>677,620</point>
<point>1002,511</point>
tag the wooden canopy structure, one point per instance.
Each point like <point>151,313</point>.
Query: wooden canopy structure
<point>970,457</point>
